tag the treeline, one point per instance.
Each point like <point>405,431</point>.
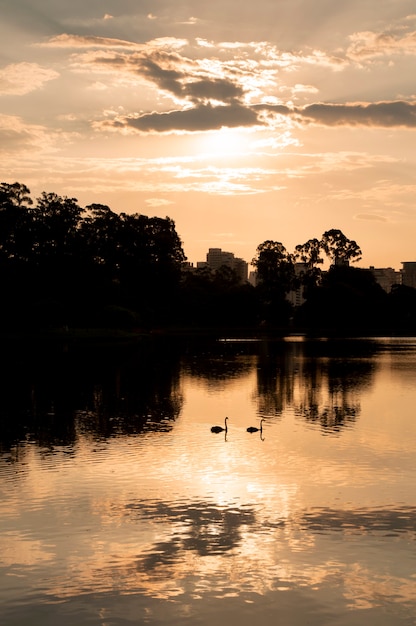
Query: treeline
<point>64,266</point>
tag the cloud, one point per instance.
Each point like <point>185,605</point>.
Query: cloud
<point>380,114</point>
<point>158,202</point>
<point>205,117</point>
<point>233,68</point>
<point>83,41</point>
<point>395,114</point>
<point>67,40</point>
<point>18,136</point>
<point>19,79</point>
<point>368,217</point>
<point>372,44</point>
<point>200,118</point>
<point>177,76</point>
<point>232,86</point>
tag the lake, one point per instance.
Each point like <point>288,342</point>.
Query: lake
<point>119,506</point>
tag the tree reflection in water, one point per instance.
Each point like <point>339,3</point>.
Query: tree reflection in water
<point>167,527</point>
<point>315,380</point>
<point>50,395</point>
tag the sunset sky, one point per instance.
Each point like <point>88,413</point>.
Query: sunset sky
<point>241,121</point>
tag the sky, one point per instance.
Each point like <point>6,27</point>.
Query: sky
<point>240,121</point>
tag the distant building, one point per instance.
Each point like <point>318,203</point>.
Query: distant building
<point>295,296</point>
<point>241,269</point>
<point>408,273</point>
<point>252,278</point>
<point>216,258</point>
<point>386,277</point>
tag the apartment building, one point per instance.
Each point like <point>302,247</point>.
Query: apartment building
<point>216,258</point>
<point>386,277</point>
<point>408,274</point>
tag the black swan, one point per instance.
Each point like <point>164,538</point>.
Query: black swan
<point>220,429</point>
<point>254,429</point>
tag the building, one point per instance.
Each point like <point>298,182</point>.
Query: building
<point>386,277</point>
<point>295,296</point>
<point>408,274</point>
<point>217,258</point>
<point>252,278</point>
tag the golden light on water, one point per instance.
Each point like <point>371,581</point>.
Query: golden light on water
<point>181,519</point>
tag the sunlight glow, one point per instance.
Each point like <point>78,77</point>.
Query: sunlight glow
<point>224,143</point>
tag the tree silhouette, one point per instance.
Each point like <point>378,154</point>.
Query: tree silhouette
<point>64,265</point>
<point>276,277</point>
<point>309,254</point>
<point>339,248</point>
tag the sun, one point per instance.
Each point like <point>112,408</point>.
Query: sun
<point>224,143</point>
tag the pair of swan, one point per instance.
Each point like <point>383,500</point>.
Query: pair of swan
<point>250,429</point>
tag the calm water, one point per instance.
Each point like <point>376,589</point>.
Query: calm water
<point>119,506</point>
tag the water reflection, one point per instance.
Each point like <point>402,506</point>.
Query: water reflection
<point>51,396</point>
<point>388,523</point>
<point>323,390</point>
<point>118,505</point>
<point>201,527</point>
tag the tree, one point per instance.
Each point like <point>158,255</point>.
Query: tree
<point>275,268</point>
<point>402,308</point>
<point>100,232</point>
<point>58,219</point>
<point>339,248</point>
<point>309,253</point>
<point>15,239</point>
<point>348,300</point>
<point>276,277</point>
<point>14,194</point>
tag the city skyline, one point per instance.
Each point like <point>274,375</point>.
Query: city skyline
<point>241,123</point>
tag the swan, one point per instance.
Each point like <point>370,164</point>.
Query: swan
<point>254,429</point>
<point>219,429</point>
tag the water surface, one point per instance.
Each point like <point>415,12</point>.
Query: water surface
<point>119,506</point>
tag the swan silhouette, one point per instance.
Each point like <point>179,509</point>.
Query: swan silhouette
<point>220,429</point>
<point>254,429</point>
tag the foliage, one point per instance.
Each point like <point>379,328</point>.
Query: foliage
<point>216,299</point>
<point>276,277</point>
<point>348,300</point>
<point>63,265</point>
<point>309,253</point>
<point>83,261</point>
<point>339,248</point>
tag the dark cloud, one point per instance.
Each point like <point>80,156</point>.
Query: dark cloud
<point>201,118</point>
<point>381,114</point>
<point>178,76</point>
<point>168,77</point>
<point>222,90</point>
<point>275,109</point>
<point>204,117</point>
